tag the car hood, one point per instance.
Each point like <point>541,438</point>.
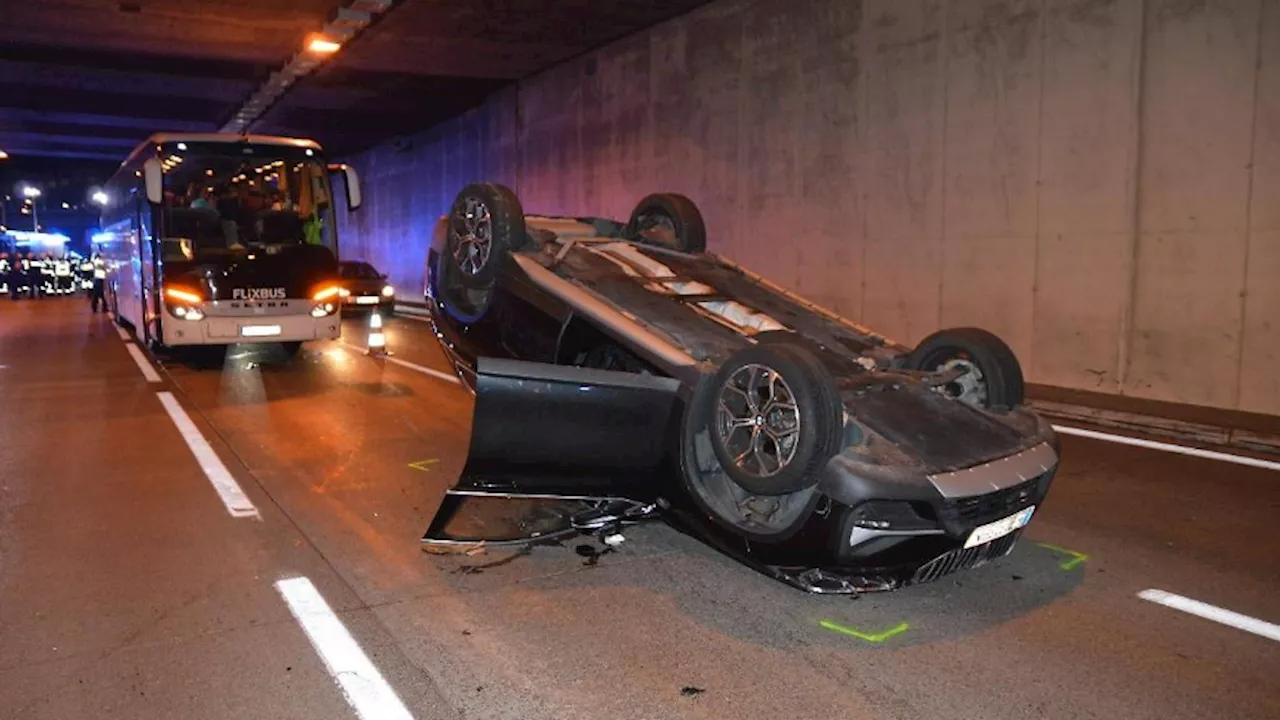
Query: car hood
<point>364,286</point>
<point>931,430</point>
<point>290,272</point>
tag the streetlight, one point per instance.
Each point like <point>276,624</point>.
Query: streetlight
<point>100,197</point>
<point>31,193</point>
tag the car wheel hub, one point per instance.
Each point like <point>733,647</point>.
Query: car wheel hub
<point>473,235</point>
<point>758,421</point>
<point>970,387</point>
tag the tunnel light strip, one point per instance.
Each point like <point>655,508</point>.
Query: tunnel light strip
<point>238,504</point>
<point>366,691</point>
<point>1170,447</point>
<point>345,24</point>
<point>1214,613</point>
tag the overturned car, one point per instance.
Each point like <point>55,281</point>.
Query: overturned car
<point>621,373</point>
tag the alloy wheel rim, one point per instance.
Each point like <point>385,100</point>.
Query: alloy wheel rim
<point>473,234</point>
<point>758,420</point>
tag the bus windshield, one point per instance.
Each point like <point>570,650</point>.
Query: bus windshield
<point>230,198</point>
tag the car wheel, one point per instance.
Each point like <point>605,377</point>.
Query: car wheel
<point>485,223</point>
<point>992,377</point>
<point>775,419</point>
<point>669,220</point>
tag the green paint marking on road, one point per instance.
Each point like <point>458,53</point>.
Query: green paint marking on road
<point>1075,559</point>
<point>869,637</point>
<point>422,464</point>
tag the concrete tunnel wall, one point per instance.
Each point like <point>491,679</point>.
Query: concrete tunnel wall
<point>1097,181</point>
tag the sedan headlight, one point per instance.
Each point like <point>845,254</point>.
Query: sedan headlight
<point>388,291</point>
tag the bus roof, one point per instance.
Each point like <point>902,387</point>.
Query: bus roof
<point>160,138</point>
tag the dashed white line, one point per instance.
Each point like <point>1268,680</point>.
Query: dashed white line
<point>364,688</point>
<point>405,363</point>
<point>1214,613</point>
<point>144,365</point>
<point>1169,447</point>
<point>238,504</point>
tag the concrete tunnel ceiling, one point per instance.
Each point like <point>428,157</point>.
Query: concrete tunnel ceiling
<point>83,81</point>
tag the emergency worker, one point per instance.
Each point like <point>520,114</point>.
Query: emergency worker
<point>34,269</point>
<point>62,276</point>
<point>85,275</point>
<point>99,280</point>
<point>48,283</point>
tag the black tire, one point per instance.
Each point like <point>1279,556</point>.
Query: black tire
<point>486,222</point>
<point>753,456</point>
<point>291,348</point>
<point>669,220</point>
<point>999,385</point>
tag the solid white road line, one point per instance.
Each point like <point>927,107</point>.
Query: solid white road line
<point>405,363</point>
<point>1170,447</point>
<point>366,691</point>
<point>124,335</point>
<point>1214,613</point>
<point>144,365</point>
<point>415,318</point>
<point>238,504</point>
<point>418,313</point>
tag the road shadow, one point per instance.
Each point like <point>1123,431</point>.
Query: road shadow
<point>716,592</point>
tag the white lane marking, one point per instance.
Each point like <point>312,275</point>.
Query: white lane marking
<point>124,335</point>
<point>416,318</point>
<point>144,365</point>
<point>405,363</point>
<point>238,504</point>
<point>1170,447</point>
<point>417,312</point>
<point>364,688</point>
<point>1214,613</point>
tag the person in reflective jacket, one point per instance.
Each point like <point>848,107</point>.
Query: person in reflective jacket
<point>85,275</point>
<point>99,280</point>
<point>62,276</point>
<point>35,274</point>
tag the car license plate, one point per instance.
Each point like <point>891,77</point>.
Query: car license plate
<point>998,529</point>
<point>259,330</point>
<point>367,300</point>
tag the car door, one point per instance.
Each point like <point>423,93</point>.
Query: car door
<point>548,440</point>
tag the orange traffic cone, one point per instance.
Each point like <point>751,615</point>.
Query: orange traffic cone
<point>377,341</point>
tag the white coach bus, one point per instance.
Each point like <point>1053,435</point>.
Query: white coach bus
<point>217,239</point>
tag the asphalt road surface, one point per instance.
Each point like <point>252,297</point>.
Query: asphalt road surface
<point>240,539</point>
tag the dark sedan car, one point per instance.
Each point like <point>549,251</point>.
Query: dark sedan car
<point>366,288</point>
<point>626,373</point>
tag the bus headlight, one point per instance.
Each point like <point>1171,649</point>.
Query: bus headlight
<point>183,303</point>
<point>323,309</point>
<point>186,313</point>
<point>388,291</point>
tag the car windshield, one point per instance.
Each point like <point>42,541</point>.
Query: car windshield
<point>224,198</point>
<point>359,270</point>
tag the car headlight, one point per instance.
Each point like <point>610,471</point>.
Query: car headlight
<point>388,291</point>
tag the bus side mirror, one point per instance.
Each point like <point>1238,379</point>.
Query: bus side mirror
<point>153,177</point>
<point>351,182</point>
